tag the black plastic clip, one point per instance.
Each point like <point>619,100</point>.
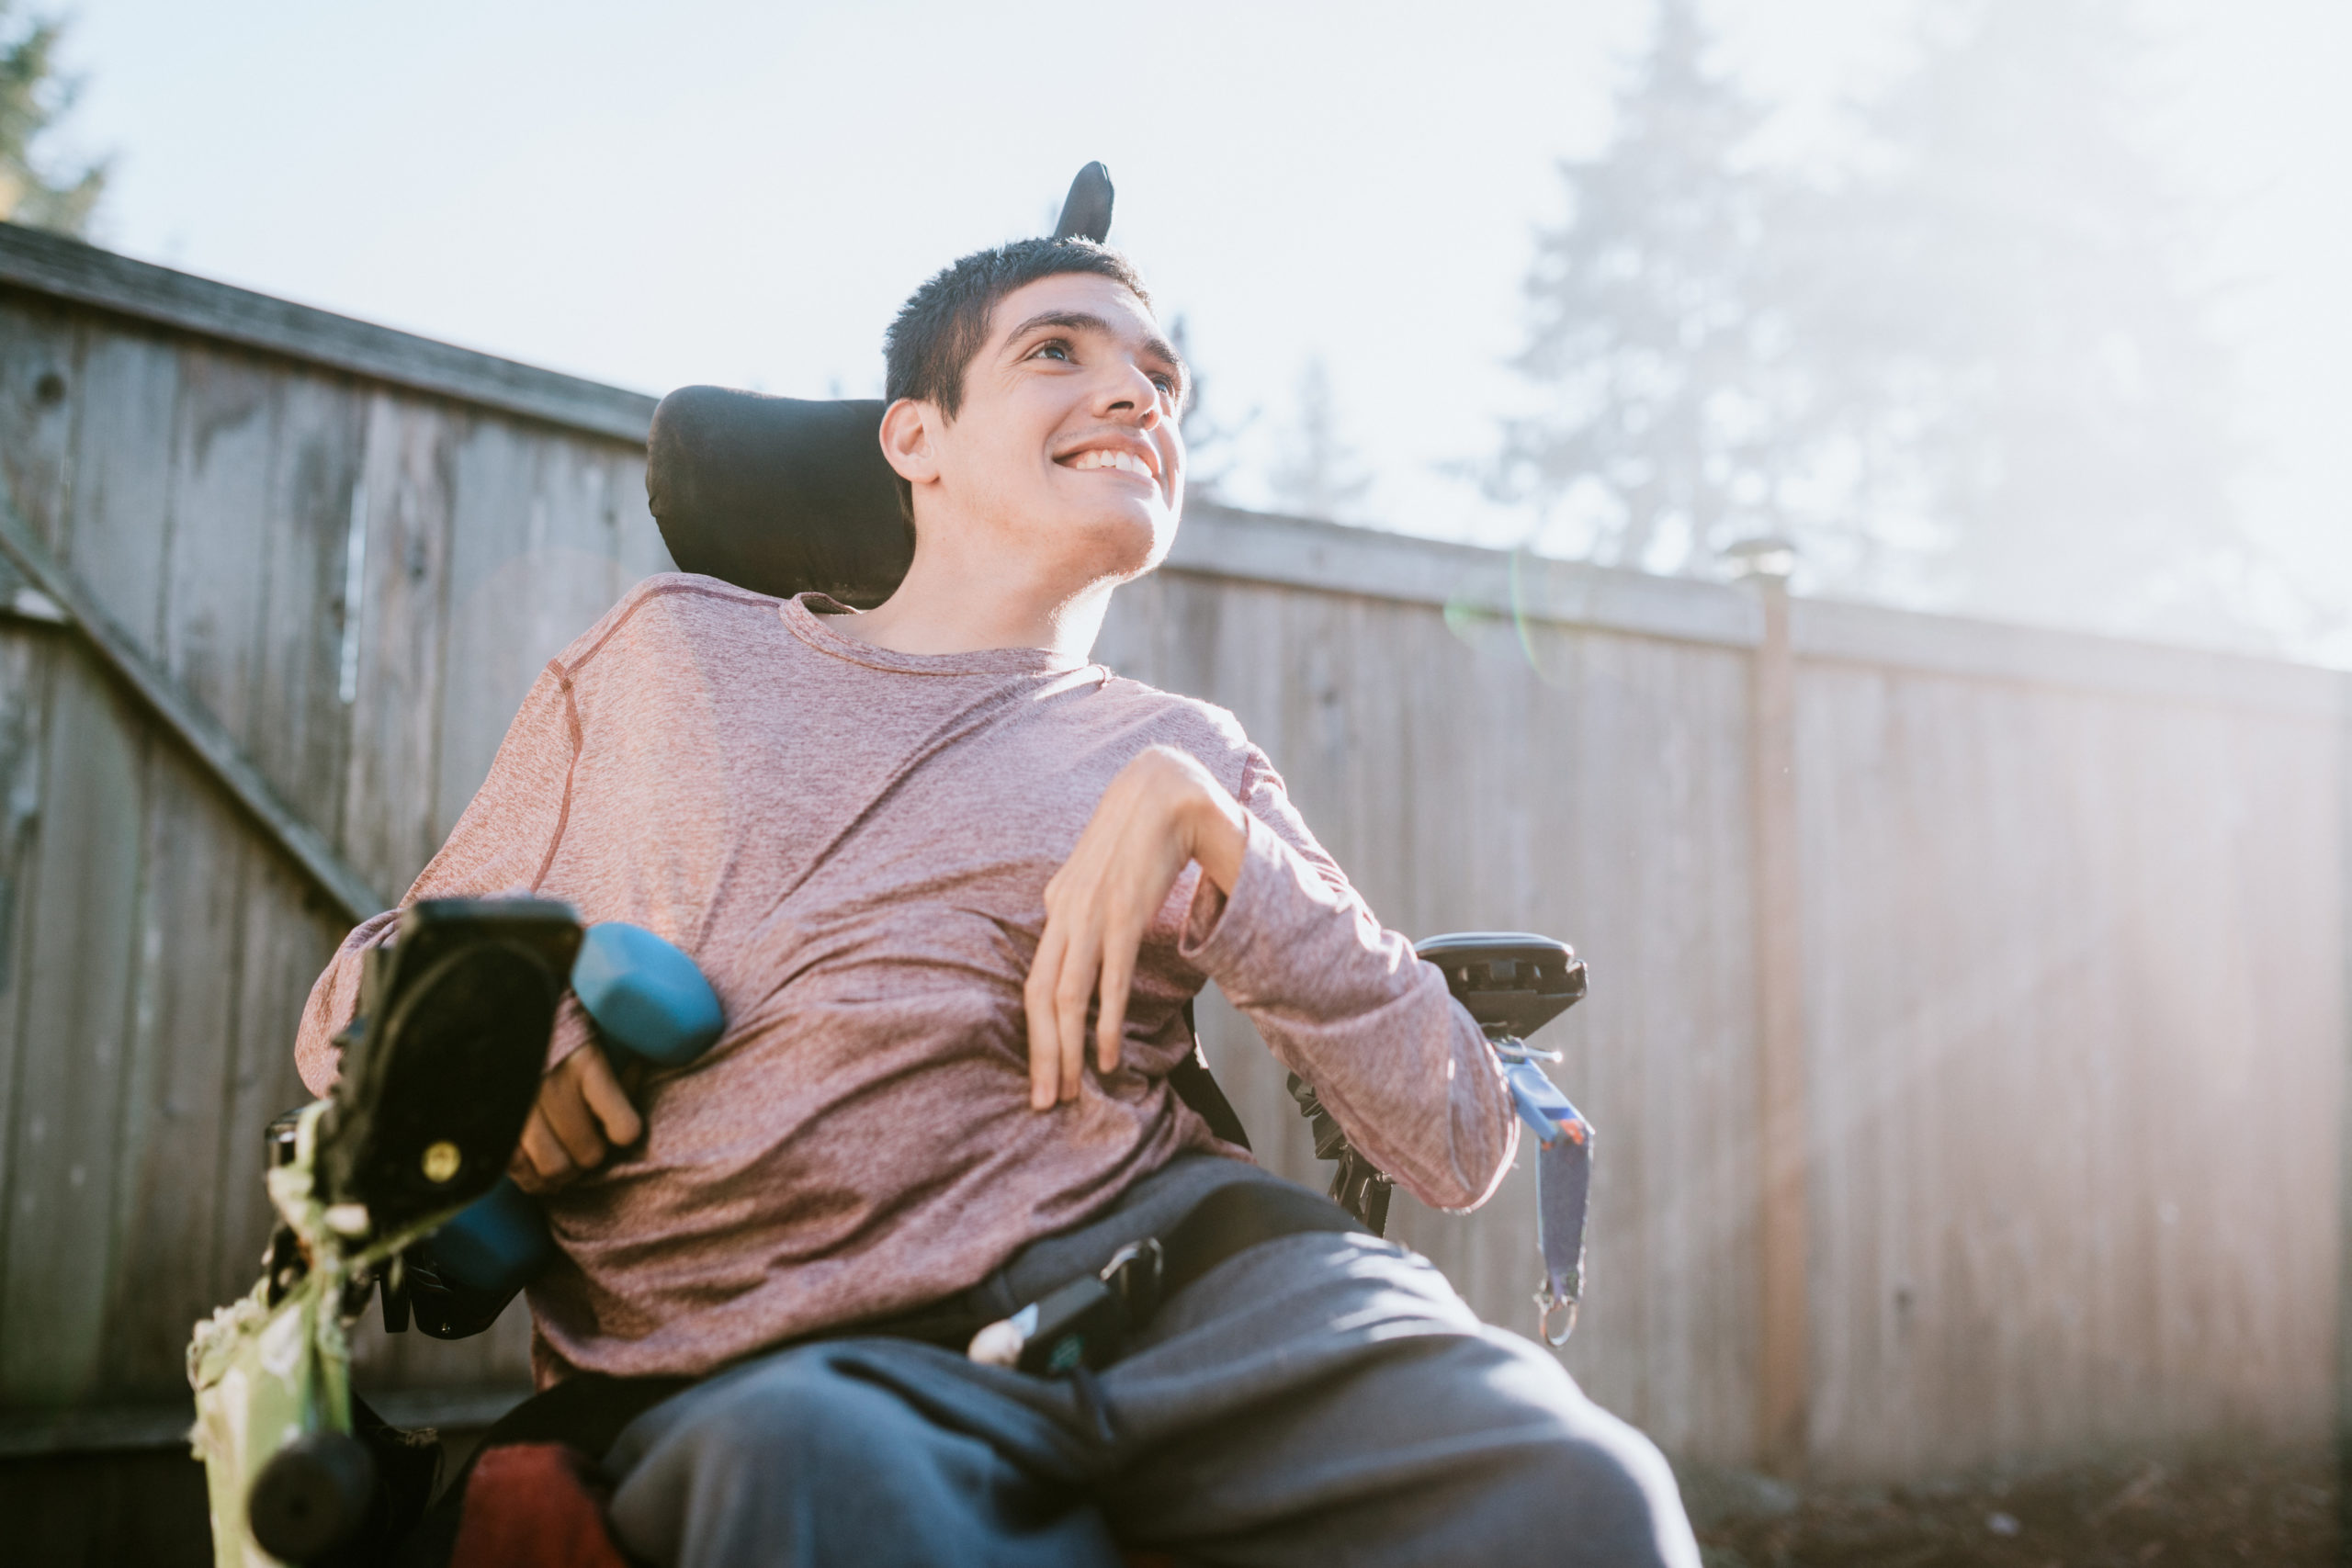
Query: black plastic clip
<point>1084,1324</point>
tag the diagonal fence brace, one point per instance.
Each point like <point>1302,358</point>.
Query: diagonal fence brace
<point>214,749</point>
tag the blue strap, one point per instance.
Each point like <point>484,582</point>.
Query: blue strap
<point>1563,1190</point>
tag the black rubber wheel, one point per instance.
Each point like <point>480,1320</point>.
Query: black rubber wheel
<point>312,1497</point>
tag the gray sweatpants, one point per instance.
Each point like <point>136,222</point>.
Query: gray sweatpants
<point>1321,1399</point>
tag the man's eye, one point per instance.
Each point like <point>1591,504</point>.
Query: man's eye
<point>1051,349</point>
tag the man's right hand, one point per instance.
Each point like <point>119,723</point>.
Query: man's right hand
<point>583,1114</point>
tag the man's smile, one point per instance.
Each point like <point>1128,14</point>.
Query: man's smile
<point>1136,458</point>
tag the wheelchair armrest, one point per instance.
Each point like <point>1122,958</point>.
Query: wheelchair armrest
<point>1512,983</point>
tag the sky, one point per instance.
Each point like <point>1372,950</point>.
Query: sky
<point>718,190</point>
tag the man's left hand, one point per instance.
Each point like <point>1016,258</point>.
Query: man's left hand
<point>1160,814</point>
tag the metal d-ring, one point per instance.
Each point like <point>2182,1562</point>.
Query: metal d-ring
<point>1547,1304</point>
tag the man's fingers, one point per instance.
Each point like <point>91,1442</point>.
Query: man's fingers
<point>520,1171</point>
<point>1073,989</point>
<point>581,1111</point>
<point>1037,998</point>
<point>1118,980</point>
<point>545,1152</point>
<point>568,1118</point>
<point>609,1101</point>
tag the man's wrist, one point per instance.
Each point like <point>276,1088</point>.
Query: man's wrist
<point>1219,838</point>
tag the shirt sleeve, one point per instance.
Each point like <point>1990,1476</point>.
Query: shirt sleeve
<point>1345,1003</point>
<point>503,844</point>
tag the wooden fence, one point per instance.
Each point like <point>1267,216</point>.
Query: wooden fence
<point>2027,947</point>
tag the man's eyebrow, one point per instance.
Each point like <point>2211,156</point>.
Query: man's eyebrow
<point>1086,322</point>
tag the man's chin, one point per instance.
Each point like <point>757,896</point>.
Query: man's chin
<point>1123,540</point>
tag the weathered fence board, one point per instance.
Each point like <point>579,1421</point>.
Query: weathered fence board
<point>401,534</point>
<point>2071,912</point>
<point>118,512</point>
<point>76,1020</point>
<point>2077,1050</point>
<point>36,420</point>
<point>304,749</point>
<point>168,1124</point>
<point>24,682</point>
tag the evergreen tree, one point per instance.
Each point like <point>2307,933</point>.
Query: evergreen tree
<point>2000,324</point>
<point>1318,474</point>
<point>1210,439</point>
<point>33,98</point>
<point>1653,352</point>
<point>1971,367</point>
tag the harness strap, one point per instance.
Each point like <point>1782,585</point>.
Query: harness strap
<point>1087,1323</point>
<point>1197,1086</point>
<point>1237,1217</point>
<point>1563,1190</point>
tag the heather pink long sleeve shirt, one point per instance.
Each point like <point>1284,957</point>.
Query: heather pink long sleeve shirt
<point>853,844</point>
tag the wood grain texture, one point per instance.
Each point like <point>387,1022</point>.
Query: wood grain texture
<point>40,346</point>
<point>119,504</point>
<point>301,736</point>
<point>54,267</point>
<point>301,739</point>
<point>25,676</point>
<point>2076,1033</point>
<point>407,480</point>
<point>200,861</point>
<point>76,1023</point>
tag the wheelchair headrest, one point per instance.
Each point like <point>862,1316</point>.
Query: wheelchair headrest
<point>778,495</point>
<point>786,495</point>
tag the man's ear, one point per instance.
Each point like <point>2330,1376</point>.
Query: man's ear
<point>907,426</point>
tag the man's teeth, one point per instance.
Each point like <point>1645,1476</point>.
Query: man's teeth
<point>1103,458</point>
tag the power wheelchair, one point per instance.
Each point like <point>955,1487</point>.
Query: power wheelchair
<point>393,1187</point>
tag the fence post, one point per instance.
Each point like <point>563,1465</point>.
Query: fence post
<point>2344,1130</point>
<point>1784,1361</point>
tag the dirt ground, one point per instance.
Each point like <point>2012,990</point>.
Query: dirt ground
<point>2278,1511</point>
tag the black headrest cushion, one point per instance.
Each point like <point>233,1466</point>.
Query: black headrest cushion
<point>778,495</point>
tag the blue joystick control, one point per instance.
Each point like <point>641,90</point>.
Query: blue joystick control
<point>649,1004</point>
<point>648,999</point>
<point>495,1246</point>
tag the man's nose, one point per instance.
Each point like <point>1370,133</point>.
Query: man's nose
<point>1129,392</point>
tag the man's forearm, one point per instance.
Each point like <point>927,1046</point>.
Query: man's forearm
<point>1347,1005</point>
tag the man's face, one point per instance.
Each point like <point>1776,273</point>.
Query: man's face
<point>1066,448</point>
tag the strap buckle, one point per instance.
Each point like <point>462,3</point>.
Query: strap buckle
<point>1084,1324</point>
<point>1134,1272</point>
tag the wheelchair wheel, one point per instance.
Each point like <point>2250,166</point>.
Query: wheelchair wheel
<point>312,1497</point>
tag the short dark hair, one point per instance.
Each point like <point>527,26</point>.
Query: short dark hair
<point>945,323</point>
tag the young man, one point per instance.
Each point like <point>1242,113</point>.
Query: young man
<point>913,850</point>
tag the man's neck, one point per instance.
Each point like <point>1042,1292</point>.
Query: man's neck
<point>948,604</point>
